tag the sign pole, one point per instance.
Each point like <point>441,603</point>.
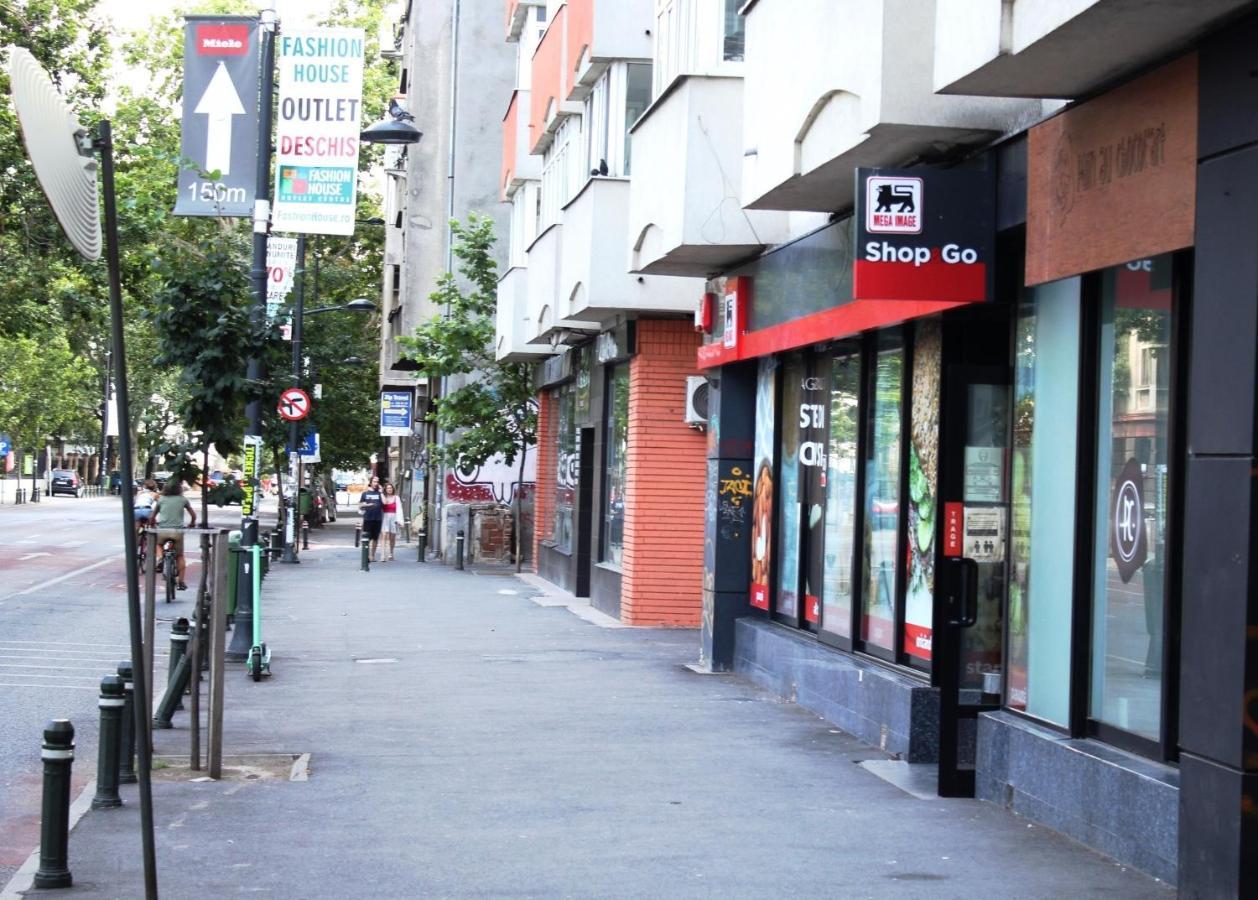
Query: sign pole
<point>242,634</point>
<point>290,508</point>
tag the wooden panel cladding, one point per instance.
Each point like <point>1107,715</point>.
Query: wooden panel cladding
<point>1114,179</point>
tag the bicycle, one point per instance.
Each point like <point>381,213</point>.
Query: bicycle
<point>168,565</point>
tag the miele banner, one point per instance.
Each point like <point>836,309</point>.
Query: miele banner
<point>924,234</point>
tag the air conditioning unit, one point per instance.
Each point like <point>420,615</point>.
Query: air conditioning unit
<point>697,401</point>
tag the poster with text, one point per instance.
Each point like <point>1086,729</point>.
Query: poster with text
<point>316,138</point>
<point>762,498</point>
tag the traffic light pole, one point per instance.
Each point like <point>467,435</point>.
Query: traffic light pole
<point>242,634</point>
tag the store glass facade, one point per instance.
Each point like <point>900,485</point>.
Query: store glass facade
<point>614,476</point>
<point>842,463</point>
<point>566,467</point>
<point>1045,439</point>
<point>882,493</point>
<point>1133,470</point>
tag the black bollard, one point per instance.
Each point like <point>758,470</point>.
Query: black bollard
<point>305,535</point>
<point>126,767</point>
<point>358,534</point>
<point>54,827</point>
<point>458,551</point>
<point>165,715</point>
<point>180,633</point>
<point>365,554</point>
<point>421,539</point>
<point>111,704</point>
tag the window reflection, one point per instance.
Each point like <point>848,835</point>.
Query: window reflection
<point>882,494</point>
<point>841,463</point>
<point>614,478</point>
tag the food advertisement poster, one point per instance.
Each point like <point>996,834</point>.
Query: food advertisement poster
<point>923,489</point>
<point>762,500</point>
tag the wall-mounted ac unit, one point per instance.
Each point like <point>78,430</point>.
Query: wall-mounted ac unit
<point>697,401</point>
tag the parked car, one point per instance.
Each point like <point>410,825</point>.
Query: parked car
<point>160,478</point>
<point>64,481</point>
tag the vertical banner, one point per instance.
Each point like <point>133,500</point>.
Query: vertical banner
<point>219,129</point>
<point>762,497</point>
<point>281,268</point>
<point>316,139</point>
<point>923,488</point>
<point>252,468</point>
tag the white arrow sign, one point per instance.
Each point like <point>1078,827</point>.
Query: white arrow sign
<point>219,102</point>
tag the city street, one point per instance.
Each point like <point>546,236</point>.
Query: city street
<point>63,625</point>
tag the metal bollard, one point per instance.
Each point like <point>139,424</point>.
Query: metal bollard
<point>180,634</point>
<point>111,704</point>
<point>358,534</point>
<point>421,539</point>
<point>126,767</point>
<point>165,715</point>
<point>34,495</point>
<point>305,535</point>
<point>458,551</point>
<point>54,827</point>
<point>365,556</point>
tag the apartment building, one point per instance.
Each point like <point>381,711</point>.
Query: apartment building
<point>974,286</point>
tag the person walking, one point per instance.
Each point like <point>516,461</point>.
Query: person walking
<point>393,518</point>
<point>169,516</point>
<point>371,508</point>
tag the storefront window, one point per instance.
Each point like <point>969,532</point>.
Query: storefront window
<point>613,539</point>
<point>882,493</point>
<point>841,463</point>
<point>762,502</point>
<point>1041,549</point>
<point>1133,432</point>
<point>923,507</point>
<point>789,490</point>
<point>566,463</point>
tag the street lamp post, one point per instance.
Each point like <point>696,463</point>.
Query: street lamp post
<point>299,314</point>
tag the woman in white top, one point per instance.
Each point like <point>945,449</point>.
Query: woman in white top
<point>393,517</point>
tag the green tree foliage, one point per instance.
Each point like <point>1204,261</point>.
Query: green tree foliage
<point>42,386</point>
<point>494,412</point>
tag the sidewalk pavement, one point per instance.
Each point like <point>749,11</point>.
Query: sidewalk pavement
<point>466,741</point>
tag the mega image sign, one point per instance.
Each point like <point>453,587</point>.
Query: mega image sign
<point>924,234</point>
<point>316,141</point>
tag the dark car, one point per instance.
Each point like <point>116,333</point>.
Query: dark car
<point>65,481</point>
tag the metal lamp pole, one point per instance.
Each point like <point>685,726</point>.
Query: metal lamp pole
<point>294,489</point>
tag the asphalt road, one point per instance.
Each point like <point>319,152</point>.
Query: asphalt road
<point>63,626</point>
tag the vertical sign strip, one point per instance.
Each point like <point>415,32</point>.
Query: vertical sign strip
<point>316,140</point>
<point>219,130</point>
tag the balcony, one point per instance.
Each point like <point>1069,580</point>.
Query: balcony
<point>548,310</point>
<point>684,214</point>
<point>518,165</point>
<point>512,320</point>
<point>599,33</point>
<point>865,98</point>
<point>517,15</point>
<point>594,275</point>
<point>1060,48</point>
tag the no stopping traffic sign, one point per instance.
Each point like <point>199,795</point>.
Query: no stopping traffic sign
<point>294,405</point>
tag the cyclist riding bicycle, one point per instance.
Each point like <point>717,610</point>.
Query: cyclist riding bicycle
<point>169,515</point>
<point>145,499</point>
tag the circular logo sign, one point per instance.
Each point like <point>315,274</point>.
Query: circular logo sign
<point>1127,538</point>
<point>294,405</point>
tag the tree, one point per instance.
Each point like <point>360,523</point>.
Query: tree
<point>42,385</point>
<point>494,412</point>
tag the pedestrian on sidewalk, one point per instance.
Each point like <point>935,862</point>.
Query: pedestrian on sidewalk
<point>393,518</point>
<point>371,507</point>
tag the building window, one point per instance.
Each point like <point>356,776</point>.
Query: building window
<point>566,465</point>
<point>841,466</point>
<point>637,99</point>
<point>1042,533</point>
<point>882,493</point>
<point>1133,468</point>
<point>732,44</point>
<point>558,181</point>
<point>616,451</point>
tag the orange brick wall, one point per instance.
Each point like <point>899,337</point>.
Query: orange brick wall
<point>666,466</point>
<point>544,498</point>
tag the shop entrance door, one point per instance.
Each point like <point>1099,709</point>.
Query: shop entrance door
<point>970,599</point>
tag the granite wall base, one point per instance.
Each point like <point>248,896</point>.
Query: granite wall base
<point>1124,806</point>
<point>895,712</point>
